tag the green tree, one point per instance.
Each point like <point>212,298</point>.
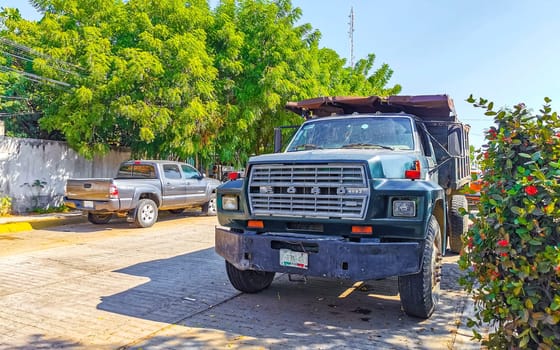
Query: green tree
<point>265,60</point>
<point>144,79</point>
<point>23,93</point>
<point>170,79</point>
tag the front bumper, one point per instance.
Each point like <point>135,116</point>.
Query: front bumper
<point>329,257</point>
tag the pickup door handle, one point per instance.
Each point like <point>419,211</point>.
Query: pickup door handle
<point>170,187</point>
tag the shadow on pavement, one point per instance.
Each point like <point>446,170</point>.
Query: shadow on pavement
<point>192,292</point>
<point>39,341</point>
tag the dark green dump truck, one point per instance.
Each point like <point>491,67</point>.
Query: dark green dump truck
<point>367,188</point>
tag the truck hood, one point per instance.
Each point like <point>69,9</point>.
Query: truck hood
<point>382,163</point>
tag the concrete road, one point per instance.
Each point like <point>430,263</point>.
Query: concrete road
<point>85,286</point>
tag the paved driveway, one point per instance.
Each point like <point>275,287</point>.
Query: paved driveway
<point>113,286</point>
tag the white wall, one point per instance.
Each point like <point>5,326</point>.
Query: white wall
<point>24,161</point>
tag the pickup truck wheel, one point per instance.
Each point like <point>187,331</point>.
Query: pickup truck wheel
<point>248,281</point>
<point>459,223</point>
<point>209,208</point>
<point>420,292</point>
<point>99,219</point>
<point>146,213</point>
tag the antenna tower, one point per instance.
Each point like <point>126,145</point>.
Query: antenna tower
<point>351,35</point>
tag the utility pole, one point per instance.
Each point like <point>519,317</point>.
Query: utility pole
<point>351,35</point>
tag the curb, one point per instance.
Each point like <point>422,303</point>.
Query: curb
<point>13,227</point>
<point>28,223</point>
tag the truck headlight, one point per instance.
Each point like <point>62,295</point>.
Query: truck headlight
<point>404,208</point>
<point>230,203</point>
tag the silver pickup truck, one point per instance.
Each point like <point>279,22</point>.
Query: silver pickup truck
<point>140,189</point>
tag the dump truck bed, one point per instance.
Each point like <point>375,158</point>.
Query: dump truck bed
<point>427,107</point>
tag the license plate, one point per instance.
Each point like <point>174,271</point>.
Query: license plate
<point>293,259</point>
<point>88,204</point>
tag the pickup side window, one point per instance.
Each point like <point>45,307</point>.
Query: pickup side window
<point>171,171</point>
<point>189,172</point>
<point>136,171</point>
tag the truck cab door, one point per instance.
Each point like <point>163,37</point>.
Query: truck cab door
<point>174,186</point>
<point>196,184</point>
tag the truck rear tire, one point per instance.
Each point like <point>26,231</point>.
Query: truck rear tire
<point>419,292</point>
<point>99,219</point>
<point>146,213</point>
<point>248,281</point>
<point>459,224</point>
<point>209,208</point>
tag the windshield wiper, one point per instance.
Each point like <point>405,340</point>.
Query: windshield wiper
<point>366,145</point>
<point>306,147</point>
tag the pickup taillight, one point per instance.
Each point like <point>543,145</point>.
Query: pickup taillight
<point>113,192</point>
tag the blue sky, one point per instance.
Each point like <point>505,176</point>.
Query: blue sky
<point>500,50</point>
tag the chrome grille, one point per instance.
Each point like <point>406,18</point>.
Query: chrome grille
<point>317,190</point>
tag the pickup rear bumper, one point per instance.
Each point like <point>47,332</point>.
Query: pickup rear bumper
<point>111,205</point>
<point>329,257</point>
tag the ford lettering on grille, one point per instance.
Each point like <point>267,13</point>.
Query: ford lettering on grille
<point>318,190</point>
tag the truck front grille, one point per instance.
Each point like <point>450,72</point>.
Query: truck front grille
<point>316,190</point>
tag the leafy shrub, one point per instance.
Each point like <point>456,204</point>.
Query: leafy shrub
<point>5,205</point>
<point>59,209</point>
<point>512,254</point>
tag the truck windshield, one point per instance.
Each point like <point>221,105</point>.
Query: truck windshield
<point>355,132</point>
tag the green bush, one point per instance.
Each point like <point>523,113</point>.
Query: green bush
<point>5,205</point>
<point>512,254</point>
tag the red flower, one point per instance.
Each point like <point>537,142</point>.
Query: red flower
<point>504,254</point>
<point>531,190</point>
<point>530,178</point>
<point>503,243</point>
<point>493,274</point>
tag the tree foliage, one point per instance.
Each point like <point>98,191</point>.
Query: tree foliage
<point>513,249</point>
<point>169,79</point>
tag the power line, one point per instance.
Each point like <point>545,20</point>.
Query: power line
<point>15,114</point>
<point>29,59</point>
<point>27,49</point>
<point>14,98</point>
<point>34,77</point>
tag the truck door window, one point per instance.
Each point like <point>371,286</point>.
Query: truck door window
<point>426,145</point>
<point>171,171</point>
<point>189,172</point>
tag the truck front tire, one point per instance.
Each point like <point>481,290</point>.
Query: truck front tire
<point>419,292</point>
<point>209,208</point>
<point>99,219</point>
<point>459,223</point>
<point>248,281</point>
<point>146,213</point>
